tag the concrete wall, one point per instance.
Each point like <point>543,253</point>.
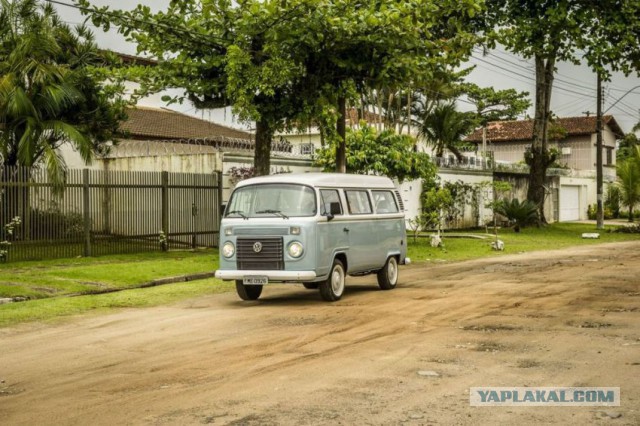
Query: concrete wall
<point>553,202</point>
<point>411,191</point>
<point>185,163</point>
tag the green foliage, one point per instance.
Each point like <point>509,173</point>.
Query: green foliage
<point>286,64</point>
<point>435,201</point>
<point>612,201</point>
<point>8,231</point>
<point>627,146</point>
<point>495,105</point>
<point>521,213</point>
<point>631,229</point>
<point>445,127</point>
<point>592,212</point>
<point>629,181</point>
<point>604,33</point>
<point>50,91</point>
<point>385,153</point>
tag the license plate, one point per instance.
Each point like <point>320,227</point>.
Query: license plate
<point>255,280</point>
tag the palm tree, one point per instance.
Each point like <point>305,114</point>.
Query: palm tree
<point>47,94</point>
<point>444,127</point>
<point>629,181</point>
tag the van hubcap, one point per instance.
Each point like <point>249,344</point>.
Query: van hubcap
<point>392,270</point>
<point>337,280</point>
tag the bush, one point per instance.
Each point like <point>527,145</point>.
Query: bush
<point>520,213</point>
<point>633,229</point>
<point>55,224</point>
<point>592,213</point>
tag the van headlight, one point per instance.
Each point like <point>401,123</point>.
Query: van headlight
<point>295,249</point>
<point>228,249</point>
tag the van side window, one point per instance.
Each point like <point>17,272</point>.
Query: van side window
<point>358,201</point>
<point>328,196</point>
<point>384,202</point>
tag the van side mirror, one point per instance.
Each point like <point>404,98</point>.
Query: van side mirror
<point>334,209</point>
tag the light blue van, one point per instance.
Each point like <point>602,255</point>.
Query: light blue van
<point>314,229</point>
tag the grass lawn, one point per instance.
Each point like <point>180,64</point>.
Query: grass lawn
<point>551,237</point>
<point>57,307</point>
<point>43,280</point>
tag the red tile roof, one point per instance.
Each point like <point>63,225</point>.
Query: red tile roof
<point>522,130</point>
<point>162,124</point>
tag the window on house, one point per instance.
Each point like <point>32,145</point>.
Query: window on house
<point>307,148</point>
<point>609,157</point>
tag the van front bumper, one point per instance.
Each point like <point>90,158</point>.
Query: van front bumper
<point>272,275</point>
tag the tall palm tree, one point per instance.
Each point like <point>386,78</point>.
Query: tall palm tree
<point>47,94</point>
<point>444,127</point>
<point>629,181</point>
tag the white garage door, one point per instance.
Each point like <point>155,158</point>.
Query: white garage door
<point>569,203</point>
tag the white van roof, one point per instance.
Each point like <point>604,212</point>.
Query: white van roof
<point>332,180</point>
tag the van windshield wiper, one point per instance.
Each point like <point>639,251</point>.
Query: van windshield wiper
<point>276,212</point>
<point>238,212</point>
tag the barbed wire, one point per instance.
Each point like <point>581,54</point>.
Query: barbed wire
<point>187,146</point>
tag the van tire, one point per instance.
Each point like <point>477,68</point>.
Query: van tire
<point>332,288</point>
<point>248,292</point>
<point>388,275</point>
<point>311,286</point>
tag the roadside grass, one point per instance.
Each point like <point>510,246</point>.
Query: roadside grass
<point>59,307</point>
<point>43,279</point>
<point>554,236</point>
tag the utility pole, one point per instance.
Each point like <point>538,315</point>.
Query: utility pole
<point>600,210</point>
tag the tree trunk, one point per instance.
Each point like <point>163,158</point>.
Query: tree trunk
<point>540,158</point>
<point>262,153</point>
<point>341,149</point>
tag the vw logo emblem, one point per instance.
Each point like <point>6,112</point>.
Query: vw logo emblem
<point>257,247</point>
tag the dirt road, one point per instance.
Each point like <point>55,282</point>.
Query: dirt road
<point>566,318</point>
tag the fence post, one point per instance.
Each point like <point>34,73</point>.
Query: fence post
<point>86,212</point>
<point>165,208</point>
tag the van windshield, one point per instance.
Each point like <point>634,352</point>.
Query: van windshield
<point>273,199</point>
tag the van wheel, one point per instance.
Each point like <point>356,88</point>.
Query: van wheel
<point>310,286</point>
<point>248,292</point>
<point>388,275</point>
<point>332,288</point>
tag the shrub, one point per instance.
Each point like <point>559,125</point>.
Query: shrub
<point>633,229</point>
<point>520,213</point>
<point>52,223</point>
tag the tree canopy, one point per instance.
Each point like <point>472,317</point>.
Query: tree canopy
<point>49,91</point>
<point>290,63</point>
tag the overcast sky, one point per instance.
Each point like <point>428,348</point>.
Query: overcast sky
<point>574,90</point>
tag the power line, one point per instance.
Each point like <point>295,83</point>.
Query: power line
<point>524,76</point>
<point>556,79</point>
<point>512,55</point>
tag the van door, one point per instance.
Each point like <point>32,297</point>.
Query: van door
<point>363,235</point>
<point>331,236</point>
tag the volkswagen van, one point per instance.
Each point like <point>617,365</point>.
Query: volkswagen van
<point>313,229</point>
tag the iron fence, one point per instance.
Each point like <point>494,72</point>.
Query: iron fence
<point>99,212</point>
